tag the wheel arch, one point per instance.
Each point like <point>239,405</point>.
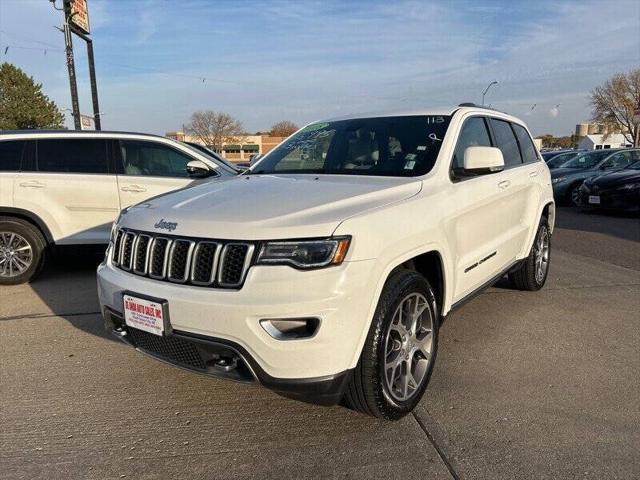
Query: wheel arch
<point>30,217</point>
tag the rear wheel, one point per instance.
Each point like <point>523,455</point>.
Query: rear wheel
<point>22,248</point>
<point>398,356</point>
<point>532,273</point>
<point>574,197</point>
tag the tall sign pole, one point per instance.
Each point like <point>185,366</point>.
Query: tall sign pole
<point>71,67</point>
<point>76,21</point>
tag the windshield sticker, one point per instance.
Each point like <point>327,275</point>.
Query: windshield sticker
<point>409,164</point>
<point>432,120</point>
<point>315,126</point>
<point>421,148</point>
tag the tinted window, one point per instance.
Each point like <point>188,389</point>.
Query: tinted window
<point>506,141</point>
<point>586,160</point>
<point>404,146</point>
<point>474,133</point>
<point>527,148</point>
<point>10,155</point>
<point>72,156</point>
<point>619,160</point>
<point>153,159</point>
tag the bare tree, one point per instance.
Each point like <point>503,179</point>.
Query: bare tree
<point>283,129</point>
<point>215,128</point>
<point>614,102</point>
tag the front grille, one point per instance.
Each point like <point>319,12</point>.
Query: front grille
<point>171,348</point>
<point>207,263</point>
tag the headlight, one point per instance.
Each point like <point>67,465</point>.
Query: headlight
<point>630,186</point>
<point>114,228</point>
<point>305,253</point>
<point>558,180</point>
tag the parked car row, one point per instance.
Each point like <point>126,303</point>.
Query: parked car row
<point>575,175</point>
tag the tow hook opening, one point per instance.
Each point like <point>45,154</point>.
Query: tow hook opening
<point>224,364</point>
<point>290,328</point>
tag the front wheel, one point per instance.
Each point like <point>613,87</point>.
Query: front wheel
<point>532,273</point>
<point>400,350</point>
<point>574,197</point>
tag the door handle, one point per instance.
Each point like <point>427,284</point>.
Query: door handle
<point>133,188</point>
<point>533,174</point>
<point>504,184</point>
<point>32,184</point>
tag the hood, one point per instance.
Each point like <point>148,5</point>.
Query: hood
<point>614,179</point>
<point>262,207</point>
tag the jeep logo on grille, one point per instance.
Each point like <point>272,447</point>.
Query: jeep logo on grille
<point>162,225</point>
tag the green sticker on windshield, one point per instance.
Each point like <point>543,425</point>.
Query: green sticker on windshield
<point>315,126</point>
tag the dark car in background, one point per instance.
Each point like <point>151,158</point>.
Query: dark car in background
<point>548,155</point>
<point>619,190</point>
<point>558,160</point>
<point>567,179</point>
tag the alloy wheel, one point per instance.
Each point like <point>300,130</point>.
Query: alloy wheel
<point>542,254</point>
<point>16,254</point>
<point>408,347</point>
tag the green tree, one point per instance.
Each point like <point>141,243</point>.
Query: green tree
<point>22,103</point>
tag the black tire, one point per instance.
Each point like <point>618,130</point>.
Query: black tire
<point>36,241</point>
<point>573,195</point>
<point>525,277</point>
<point>367,391</point>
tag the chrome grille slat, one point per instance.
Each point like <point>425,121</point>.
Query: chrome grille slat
<point>205,263</point>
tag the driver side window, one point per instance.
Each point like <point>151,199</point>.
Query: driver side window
<point>142,158</point>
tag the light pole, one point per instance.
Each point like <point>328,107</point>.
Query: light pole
<point>495,82</point>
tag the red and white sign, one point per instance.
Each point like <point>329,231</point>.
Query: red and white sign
<point>143,315</point>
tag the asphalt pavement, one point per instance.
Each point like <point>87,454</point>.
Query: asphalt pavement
<point>526,385</point>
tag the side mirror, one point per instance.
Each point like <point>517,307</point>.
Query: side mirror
<point>481,160</point>
<point>198,169</point>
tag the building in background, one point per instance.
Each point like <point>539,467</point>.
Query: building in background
<point>602,141</point>
<point>240,151</point>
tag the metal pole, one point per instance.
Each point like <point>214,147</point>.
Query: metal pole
<point>92,77</point>
<point>73,86</point>
<point>487,89</point>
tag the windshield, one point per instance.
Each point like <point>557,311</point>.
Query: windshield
<point>634,165</point>
<point>385,146</point>
<point>559,160</point>
<point>202,150</point>
<point>587,160</point>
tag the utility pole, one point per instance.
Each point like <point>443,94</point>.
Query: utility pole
<point>92,80</point>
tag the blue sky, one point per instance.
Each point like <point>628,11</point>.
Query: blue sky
<point>158,61</point>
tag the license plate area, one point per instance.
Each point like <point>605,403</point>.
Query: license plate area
<point>146,313</point>
<point>594,199</point>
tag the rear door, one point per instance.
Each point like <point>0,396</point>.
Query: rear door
<point>67,183</point>
<point>146,169</point>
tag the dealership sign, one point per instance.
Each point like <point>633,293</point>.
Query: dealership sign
<point>79,15</point>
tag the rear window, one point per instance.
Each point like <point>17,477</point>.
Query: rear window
<point>11,155</point>
<point>506,142</point>
<point>72,156</point>
<point>528,149</point>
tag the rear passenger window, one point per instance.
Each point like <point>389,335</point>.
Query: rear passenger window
<point>474,133</point>
<point>506,141</point>
<point>527,148</point>
<point>11,155</point>
<point>153,159</point>
<point>72,156</point>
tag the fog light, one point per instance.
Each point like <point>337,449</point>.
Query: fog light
<point>290,328</point>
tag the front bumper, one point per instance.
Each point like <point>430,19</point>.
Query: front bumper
<point>612,198</point>
<point>340,297</point>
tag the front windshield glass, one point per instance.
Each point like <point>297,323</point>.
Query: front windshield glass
<point>587,160</point>
<point>560,159</point>
<point>385,146</point>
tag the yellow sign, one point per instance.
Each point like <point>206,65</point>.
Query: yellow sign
<point>80,15</point>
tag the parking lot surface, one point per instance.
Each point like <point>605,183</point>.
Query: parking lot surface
<point>526,385</point>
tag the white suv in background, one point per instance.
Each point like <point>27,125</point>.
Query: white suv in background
<point>325,271</point>
<point>66,187</point>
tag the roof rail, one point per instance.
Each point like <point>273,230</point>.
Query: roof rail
<point>475,105</point>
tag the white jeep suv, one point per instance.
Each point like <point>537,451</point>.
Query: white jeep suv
<point>66,188</point>
<point>325,271</point>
